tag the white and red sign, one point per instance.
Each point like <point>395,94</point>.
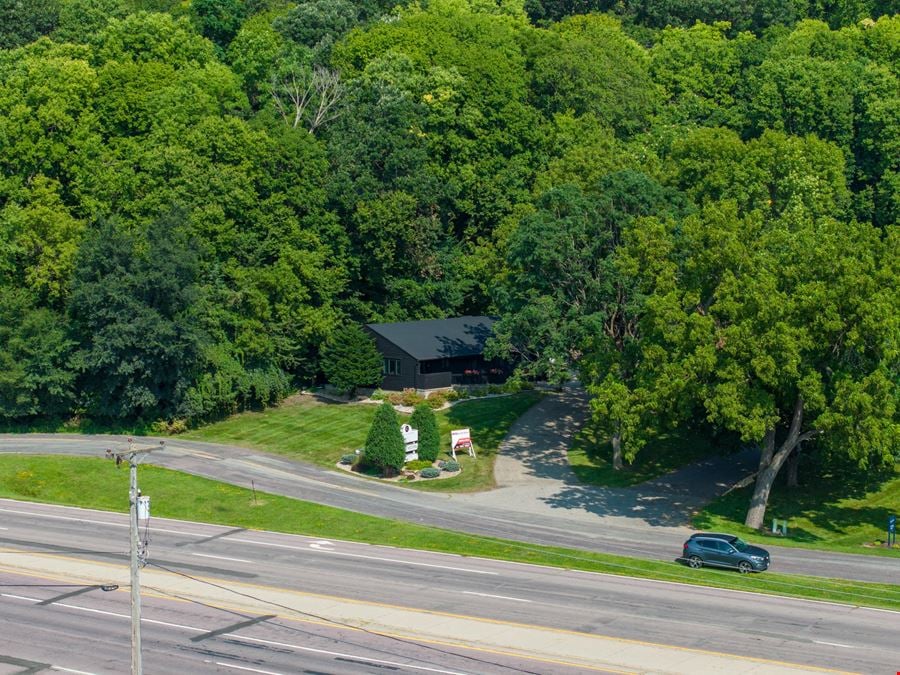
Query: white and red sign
<point>461,439</point>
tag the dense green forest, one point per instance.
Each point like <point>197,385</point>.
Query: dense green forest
<point>693,205</point>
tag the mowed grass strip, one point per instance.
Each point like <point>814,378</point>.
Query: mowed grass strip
<point>96,483</point>
<point>320,432</point>
<point>843,511</point>
<point>302,428</point>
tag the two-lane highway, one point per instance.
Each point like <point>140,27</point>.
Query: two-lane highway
<point>425,592</point>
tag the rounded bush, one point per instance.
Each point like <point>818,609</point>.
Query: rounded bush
<point>436,400</point>
<point>450,466</point>
<point>430,472</point>
<point>349,458</point>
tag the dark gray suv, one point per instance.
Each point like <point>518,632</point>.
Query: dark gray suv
<point>724,550</point>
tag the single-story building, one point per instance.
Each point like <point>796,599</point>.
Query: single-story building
<point>436,353</point>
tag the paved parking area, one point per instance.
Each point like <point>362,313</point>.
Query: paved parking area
<point>533,474</point>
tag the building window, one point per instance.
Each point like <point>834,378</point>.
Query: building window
<point>390,366</point>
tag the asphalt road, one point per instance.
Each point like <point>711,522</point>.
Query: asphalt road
<point>578,530</point>
<point>45,627</point>
<point>503,594</point>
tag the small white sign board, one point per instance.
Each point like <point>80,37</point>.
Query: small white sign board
<point>411,440</point>
<point>460,440</point>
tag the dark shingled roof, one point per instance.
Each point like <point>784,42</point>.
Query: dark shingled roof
<point>438,338</point>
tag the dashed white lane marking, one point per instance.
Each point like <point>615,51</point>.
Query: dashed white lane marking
<point>244,638</point>
<point>833,644</point>
<point>221,557</point>
<point>18,597</point>
<point>500,597</point>
<point>322,546</point>
<point>252,670</point>
<point>326,652</point>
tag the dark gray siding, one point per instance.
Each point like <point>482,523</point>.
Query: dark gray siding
<point>408,365</point>
<point>435,380</point>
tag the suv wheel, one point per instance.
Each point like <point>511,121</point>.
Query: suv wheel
<point>744,567</point>
<point>695,562</point>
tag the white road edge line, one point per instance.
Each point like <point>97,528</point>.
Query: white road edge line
<point>98,522</point>
<point>501,597</point>
<point>221,557</point>
<point>70,670</point>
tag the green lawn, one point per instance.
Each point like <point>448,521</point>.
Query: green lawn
<point>837,512</point>
<point>321,432</point>
<point>590,457</point>
<point>96,483</point>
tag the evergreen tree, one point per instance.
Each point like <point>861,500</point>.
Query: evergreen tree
<point>384,445</point>
<point>350,359</point>
<point>424,420</point>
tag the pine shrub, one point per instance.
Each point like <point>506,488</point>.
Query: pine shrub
<point>424,420</point>
<point>384,445</point>
<point>350,359</point>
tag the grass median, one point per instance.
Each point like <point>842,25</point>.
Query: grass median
<point>99,484</point>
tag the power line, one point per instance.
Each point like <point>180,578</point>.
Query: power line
<point>332,622</point>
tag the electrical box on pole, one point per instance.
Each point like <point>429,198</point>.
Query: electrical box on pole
<point>143,507</point>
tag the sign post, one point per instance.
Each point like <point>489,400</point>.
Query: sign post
<point>411,441</point>
<point>779,526</point>
<point>892,530</point>
<point>461,439</point>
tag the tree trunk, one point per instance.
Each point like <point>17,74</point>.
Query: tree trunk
<point>793,468</point>
<point>617,451</point>
<point>770,463</point>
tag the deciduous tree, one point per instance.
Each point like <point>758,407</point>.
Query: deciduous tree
<point>773,321</point>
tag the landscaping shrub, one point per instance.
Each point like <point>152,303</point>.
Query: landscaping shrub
<point>349,458</point>
<point>417,465</point>
<point>411,397</point>
<point>430,472</point>
<point>515,385</point>
<point>479,392</point>
<point>424,420</point>
<point>450,465</point>
<point>436,400</point>
<point>378,395</point>
<point>384,444</point>
<point>169,427</point>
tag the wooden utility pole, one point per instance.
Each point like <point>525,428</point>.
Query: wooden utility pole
<point>138,550</point>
